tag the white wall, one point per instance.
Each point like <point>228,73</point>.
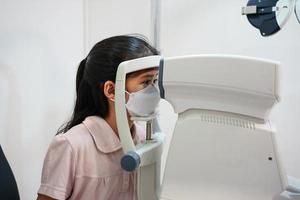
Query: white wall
<point>204,27</point>
<point>41,43</point>
<point>107,18</point>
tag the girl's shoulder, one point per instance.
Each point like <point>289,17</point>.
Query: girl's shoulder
<point>92,134</point>
<point>77,137</point>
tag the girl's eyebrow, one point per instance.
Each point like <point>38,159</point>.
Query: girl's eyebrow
<point>149,75</point>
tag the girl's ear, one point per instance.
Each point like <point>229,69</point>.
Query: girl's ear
<point>109,90</point>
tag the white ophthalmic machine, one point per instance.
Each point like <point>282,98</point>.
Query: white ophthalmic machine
<point>223,146</point>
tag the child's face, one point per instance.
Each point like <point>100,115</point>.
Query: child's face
<point>134,82</point>
<point>139,80</point>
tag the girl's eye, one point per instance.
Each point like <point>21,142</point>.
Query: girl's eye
<point>147,82</point>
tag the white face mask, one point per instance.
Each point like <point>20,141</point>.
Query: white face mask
<point>143,103</point>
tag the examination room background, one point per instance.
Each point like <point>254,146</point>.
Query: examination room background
<point>42,42</point>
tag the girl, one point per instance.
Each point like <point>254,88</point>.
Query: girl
<point>83,160</point>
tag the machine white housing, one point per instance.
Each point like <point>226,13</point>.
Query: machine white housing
<point>223,146</point>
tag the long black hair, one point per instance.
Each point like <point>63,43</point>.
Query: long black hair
<point>98,67</point>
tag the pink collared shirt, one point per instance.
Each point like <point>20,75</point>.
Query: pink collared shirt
<point>84,164</point>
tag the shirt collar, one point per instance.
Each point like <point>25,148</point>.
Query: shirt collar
<point>104,136</point>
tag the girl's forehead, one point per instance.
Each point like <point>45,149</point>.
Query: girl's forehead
<point>151,73</point>
<point>144,73</point>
